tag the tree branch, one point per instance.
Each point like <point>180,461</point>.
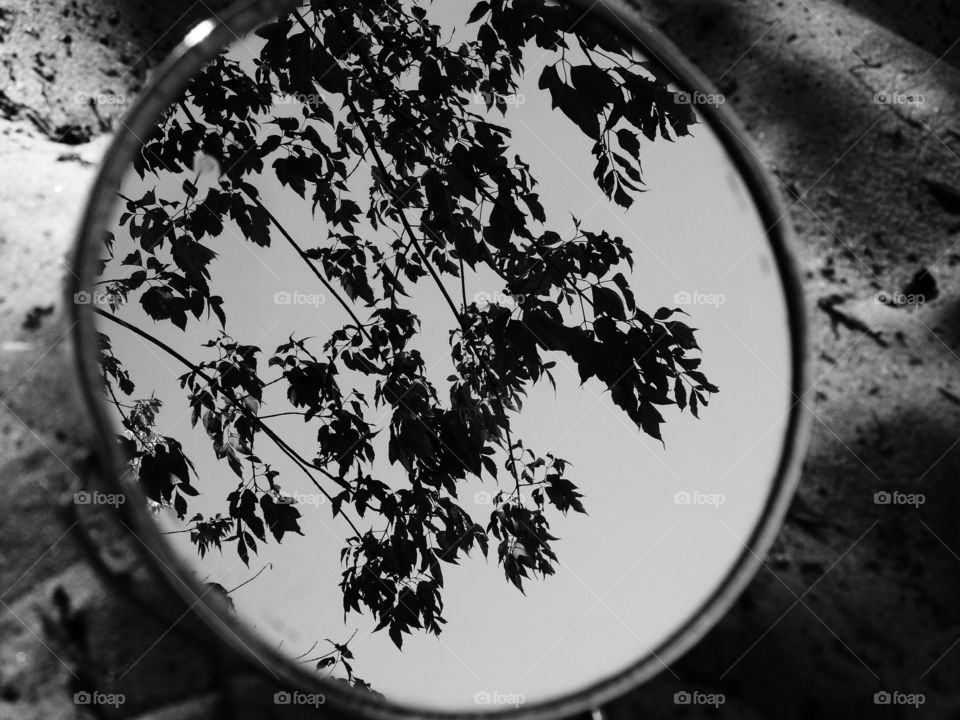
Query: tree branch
<point>326,283</point>
<point>299,460</point>
<point>385,174</point>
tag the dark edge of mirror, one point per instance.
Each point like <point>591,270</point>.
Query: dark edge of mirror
<point>199,47</point>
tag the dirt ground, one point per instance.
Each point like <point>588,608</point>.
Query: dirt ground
<point>855,598</point>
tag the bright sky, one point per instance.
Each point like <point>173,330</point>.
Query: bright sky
<point>640,564</point>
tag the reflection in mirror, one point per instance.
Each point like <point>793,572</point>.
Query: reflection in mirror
<point>447,346</point>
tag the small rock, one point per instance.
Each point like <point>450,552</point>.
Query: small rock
<point>947,195</point>
<point>35,316</point>
<point>73,157</point>
<point>922,284</point>
<point>71,134</point>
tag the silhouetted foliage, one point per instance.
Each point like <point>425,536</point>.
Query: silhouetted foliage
<point>377,85</point>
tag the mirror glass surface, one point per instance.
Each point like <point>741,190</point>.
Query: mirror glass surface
<point>453,357</point>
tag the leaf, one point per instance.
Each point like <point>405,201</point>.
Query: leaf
<point>680,393</point>
<point>289,173</point>
<point>157,303</point>
<point>572,105</point>
<point>479,10</point>
<point>136,279</point>
<point>702,381</point>
<point>683,334</point>
<point>431,79</point>
<point>180,505</point>
<point>549,78</point>
<point>133,258</point>
<point>489,44</point>
<point>271,143</point>
<point>281,518</point>
<point>155,227</point>
<point>624,286</point>
<point>155,478</point>
<point>499,228</point>
<point>608,302</point>
<point>193,258</point>
<point>595,86</point>
<point>563,494</point>
<point>629,142</point>
<point>396,635</point>
<point>242,550</point>
<point>650,419</point>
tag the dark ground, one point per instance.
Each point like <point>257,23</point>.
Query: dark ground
<point>854,598</point>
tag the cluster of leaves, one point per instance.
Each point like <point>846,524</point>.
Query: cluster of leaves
<point>446,196</point>
<point>340,656</point>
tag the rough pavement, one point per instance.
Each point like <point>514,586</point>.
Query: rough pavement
<point>854,599</point>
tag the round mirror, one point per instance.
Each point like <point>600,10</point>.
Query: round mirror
<point>446,353</point>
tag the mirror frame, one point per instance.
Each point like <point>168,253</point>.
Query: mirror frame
<point>198,47</point>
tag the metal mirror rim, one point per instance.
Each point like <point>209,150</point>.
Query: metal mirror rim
<point>202,44</point>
